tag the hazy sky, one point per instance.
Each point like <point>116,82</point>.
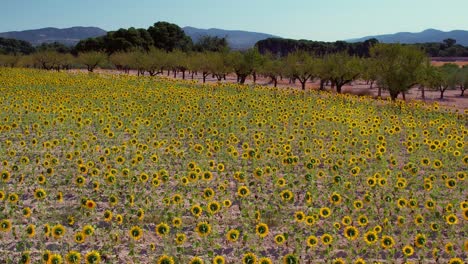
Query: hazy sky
<point>327,20</point>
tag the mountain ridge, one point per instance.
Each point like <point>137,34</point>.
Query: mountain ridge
<point>68,36</point>
<point>425,36</point>
<point>237,39</point>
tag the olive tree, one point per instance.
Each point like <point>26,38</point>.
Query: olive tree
<point>92,59</point>
<point>397,67</point>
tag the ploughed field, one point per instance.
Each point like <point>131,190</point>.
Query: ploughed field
<point>116,169</point>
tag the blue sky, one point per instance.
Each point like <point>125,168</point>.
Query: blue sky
<point>326,20</point>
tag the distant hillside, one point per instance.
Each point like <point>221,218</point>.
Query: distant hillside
<point>236,39</point>
<point>429,35</point>
<point>67,36</point>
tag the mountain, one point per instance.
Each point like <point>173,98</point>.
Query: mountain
<point>428,35</point>
<point>237,39</point>
<point>67,36</point>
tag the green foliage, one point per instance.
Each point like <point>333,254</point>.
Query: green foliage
<point>169,37</point>
<point>341,69</point>
<point>210,43</point>
<point>398,67</point>
<point>301,66</point>
<point>92,59</point>
<point>14,46</point>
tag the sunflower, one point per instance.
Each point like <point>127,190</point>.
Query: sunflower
<point>196,260</point>
<point>31,230</point>
<point>451,219</point>
<point>449,248</point>
<point>208,193</point>
<point>203,229</point>
<point>387,242</point>
<point>164,259</point>
<point>5,176</point>
<point>346,220</point>
<point>362,220</point>
<point>90,204</point>
<point>465,214</point>
<point>359,261</point>
<point>338,261</point>
<point>325,212</point>
<point>280,239</point>
<point>119,219</point>
<point>213,207</point>
<point>408,250</point>
<point>136,233</point>
<point>162,229</point>
<point>420,240</point>
<point>371,237</point>
<point>243,191</point>
<point>13,198</point>
<point>58,231</point>
<point>290,259</point>
<point>227,203</point>
<point>312,241</point>
<point>180,238</point>
<point>219,260</point>
<point>262,230</point>
<point>46,256</point>
<point>299,216</point>
<point>326,239</point>
<point>73,257</point>
<point>287,195</point>
<point>233,235</point>
<point>92,257</point>
<point>419,220</point>
<point>26,212</point>
<point>351,232</point>
<point>249,258</point>
<point>335,198</point>
<point>265,260</point>
<point>450,183</point>
<point>5,225</point>
<point>196,210</point>
<point>107,216</point>
<point>358,204</point>
<point>456,261</point>
<point>140,214</point>
<point>55,259</point>
<point>88,230</point>
<point>79,237</point>
<point>176,222</point>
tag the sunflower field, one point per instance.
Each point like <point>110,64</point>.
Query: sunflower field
<point>120,169</point>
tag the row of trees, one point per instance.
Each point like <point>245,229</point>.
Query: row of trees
<point>282,47</point>
<point>392,67</point>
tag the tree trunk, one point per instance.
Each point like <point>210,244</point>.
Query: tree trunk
<point>192,74</point>
<point>303,84</point>
<point>403,94</point>
<point>393,95</point>
<point>168,72</point>
<point>379,92</point>
<point>322,85</point>
<point>371,84</point>
<point>442,93</point>
<point>242,78</point>
<point>338,87</point>
<point>175,74</point>
<point>423,92</point>
<point>183,75</point>
<point>462,88</point>
<point>254,74</point>
<point>205,74</point>
<point>275,82</point>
